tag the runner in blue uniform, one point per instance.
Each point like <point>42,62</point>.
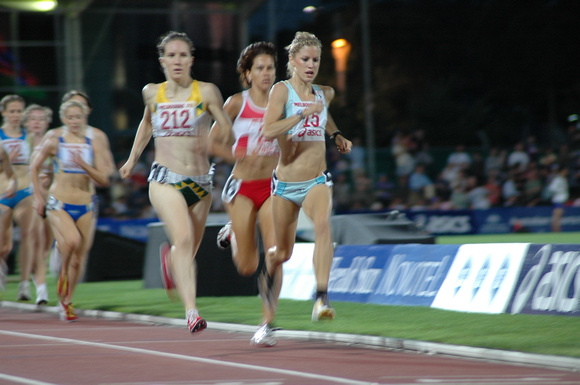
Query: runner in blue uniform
<point>297,116</point>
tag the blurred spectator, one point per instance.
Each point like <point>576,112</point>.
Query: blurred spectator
<point>477,166</point>
<point>573,135</point>
<point>336,164</point>
<point>397,204</point>
<point>495,161</point>
<point>518,157</point>
<point>548,158</point>
<point>558,191</point>
<point>532,148</point>
<point>493,187</point>
<point>477,194</point>
<point>420,186</point>
<point>459,198</point>
<point>120,208</point>
<point>137,199</point>
<point>509,190</point>
<point>459,159</point>
<point>564,155</point>
<point>424,157</point>
<point>418,141</point>
<point>533,186</point>
<point>384,190</point>
<point>363,195</point>
<point>442,188</point>
<point>575,174</point>
<point>341,192</point>
<point>357,156</point>
<point>403,159</point>
<point>147,212</point>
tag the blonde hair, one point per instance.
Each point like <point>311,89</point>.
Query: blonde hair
<point>72,103</point>
<point>301,40</point>
<point>35,107</point>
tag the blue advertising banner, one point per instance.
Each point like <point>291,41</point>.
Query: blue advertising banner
<point>499,220</point>
<point>444,222</point>
<point>130,228</point>
<point>549,282</point>
<point>414,274</point>
<point>356,270</point>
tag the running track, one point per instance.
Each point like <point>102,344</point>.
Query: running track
<point>37,348</point>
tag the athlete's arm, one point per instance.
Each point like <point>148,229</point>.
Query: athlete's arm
<point>274,122</point>
<point>232,108</point>
<point>13,181</point>
<point>144,132</point>
<point>47,148</point>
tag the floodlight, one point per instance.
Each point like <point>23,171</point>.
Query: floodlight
<point>30,5</point>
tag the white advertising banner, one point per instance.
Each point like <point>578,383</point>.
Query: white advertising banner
<point>298,280</point>
<point>482,278</point>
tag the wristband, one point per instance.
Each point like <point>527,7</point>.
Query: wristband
<point>300,114</point>
<point>335,133</point>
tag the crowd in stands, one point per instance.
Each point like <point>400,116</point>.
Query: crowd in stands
<point>517,175</point>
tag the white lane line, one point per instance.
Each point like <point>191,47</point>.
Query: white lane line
<point>190,358</point>
<point>21,380</point>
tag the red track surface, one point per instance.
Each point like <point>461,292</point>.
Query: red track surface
<point>38,348</point>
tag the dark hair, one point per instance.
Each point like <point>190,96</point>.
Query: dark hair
<point>246,60</point>
<point>72,93</point>
<point>170,36</point>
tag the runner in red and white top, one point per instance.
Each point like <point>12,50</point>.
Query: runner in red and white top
<point>246,194</point>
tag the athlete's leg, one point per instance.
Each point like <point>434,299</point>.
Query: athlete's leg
<point>41,265</point>
<point>285,217</point>
<point>244,247</point>
<point>318,207</point>
<point>179,224</point>
<point>198,216</point>
<point>6,243</point>
<point>38,244</point>
<point>24,217</point>
<point>68,240</point>
<point>266,224</point>
<point>6,228</point>
<point>85,226</point>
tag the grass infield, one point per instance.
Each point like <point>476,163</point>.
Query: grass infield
<point>543,334</point>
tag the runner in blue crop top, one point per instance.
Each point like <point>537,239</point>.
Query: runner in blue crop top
<point>17,208</point>
<point>80,162</point>
<point>297,115</point>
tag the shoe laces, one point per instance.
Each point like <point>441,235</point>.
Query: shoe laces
<point>192,315</point>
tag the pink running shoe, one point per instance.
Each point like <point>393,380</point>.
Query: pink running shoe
<point>168,284</point>
<point>194,322</point>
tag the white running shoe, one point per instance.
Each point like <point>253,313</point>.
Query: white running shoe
<point>23,291</point>
<point>322,310</point>
<point>264,336</point>
<point>223,237</point>
<point>41,295</point>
